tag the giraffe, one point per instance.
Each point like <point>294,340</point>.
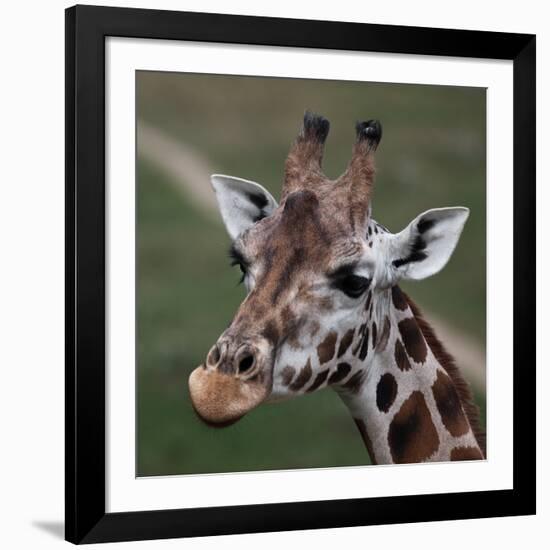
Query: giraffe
<point>324,308</point>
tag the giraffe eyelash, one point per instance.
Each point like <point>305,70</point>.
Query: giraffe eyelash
<point>237,258</point>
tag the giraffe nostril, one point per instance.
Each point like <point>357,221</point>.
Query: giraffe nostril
<point>246,362</point>
<point>213,357</point>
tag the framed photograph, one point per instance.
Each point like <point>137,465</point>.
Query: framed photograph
<point>372,189</point>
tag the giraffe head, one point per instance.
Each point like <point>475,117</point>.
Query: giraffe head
<point>311,265</point>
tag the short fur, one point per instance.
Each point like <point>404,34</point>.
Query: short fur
<point>277,334</point>
<point>448,363</point>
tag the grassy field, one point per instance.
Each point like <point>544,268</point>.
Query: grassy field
<point>432,154</point>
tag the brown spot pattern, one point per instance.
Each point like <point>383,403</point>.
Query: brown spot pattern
<point>412,436</point>
<point>413,339</point>
<point>355,382</point>
<point>360,335</point>
<point>449,405</point>
<point>466,453</point>
<point>369,298</point>
<point>401,359</point>
<point>398,298</point>
<point>287,374</point>
<point>340,373</point>
<point>364,345</point>
<point>271,332</point>
<point>364,434</point>
<point>346,341</point>
<point>327,347</point>
<point>448,363</point>
<point>302,378</point>
<point>319,379</point>
<point>386,392</point>
<point>384,336</point>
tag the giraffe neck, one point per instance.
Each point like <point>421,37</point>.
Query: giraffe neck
<point>410,405</point>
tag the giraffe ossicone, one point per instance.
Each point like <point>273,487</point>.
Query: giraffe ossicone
<point>324,309</point>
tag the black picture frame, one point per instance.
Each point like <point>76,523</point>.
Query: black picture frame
<point>86,520</point>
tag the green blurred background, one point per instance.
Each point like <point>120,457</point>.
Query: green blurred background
<point>432,154</point>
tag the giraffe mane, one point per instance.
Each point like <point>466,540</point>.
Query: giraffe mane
<point>447,361</point>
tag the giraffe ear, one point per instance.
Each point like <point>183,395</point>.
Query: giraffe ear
<point>424,247</point>
<point>242,203</point>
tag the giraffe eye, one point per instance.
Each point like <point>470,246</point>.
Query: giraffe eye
<point>352,285</point>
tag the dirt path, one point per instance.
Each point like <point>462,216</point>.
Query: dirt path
<point>190,173</point>
<point>187,169</point>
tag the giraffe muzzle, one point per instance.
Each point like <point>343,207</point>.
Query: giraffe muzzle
<point>231,383</point>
